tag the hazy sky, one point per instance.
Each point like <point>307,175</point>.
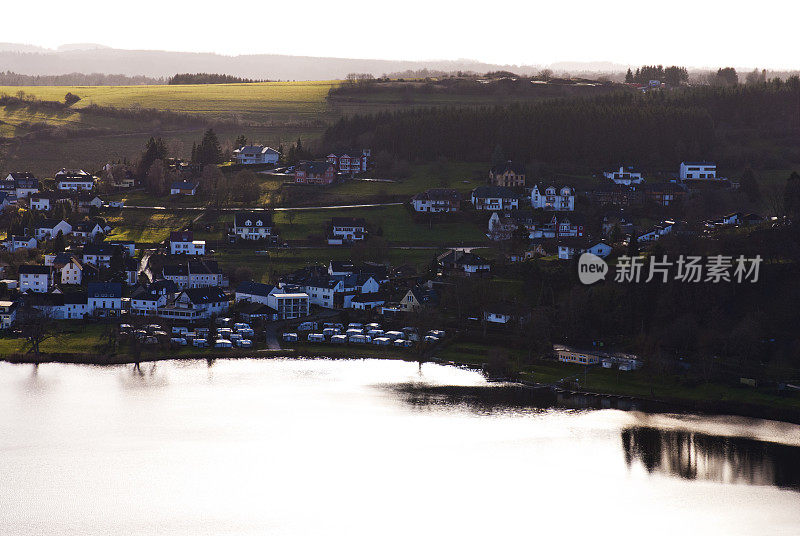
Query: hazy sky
<point>687,32</point>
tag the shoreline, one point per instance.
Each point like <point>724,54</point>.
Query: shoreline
<point>657,405</point>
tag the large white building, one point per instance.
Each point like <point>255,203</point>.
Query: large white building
<point>34,277</point>
<point>698,170</point>
<point>183,243</point>
<point>256,154</point>
<point>74,180</point>
<point>551,198</point>
<point>252,225</point>
<point>624,176</point>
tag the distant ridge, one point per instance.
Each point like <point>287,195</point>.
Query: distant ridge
<point>90,58</point>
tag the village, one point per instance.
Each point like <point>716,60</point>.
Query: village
<point>62,266</point>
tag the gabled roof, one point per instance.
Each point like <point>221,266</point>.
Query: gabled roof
<point>175,270</point>
<point>256,289</point>
<point>22,175</point>
<point>104,290</point>
<point>240,219</point>
<point>342,266</point>
<point>33,269</point>
<point>100,249</point>
<point>508,165</point>
<point>483,192</point>
<point>262,149</point>
<point>203,267</point>
<point>438,194</point>
<point>348,222</point>
<point>206,295</point>
<point>181,236</point>
<point>314,167</point>
<point>49,224</point>
<point>183,185</point>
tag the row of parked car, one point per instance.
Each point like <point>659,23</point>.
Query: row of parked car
<point>228,335</point>
<point>357,333</point>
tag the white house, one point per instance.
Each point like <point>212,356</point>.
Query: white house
<point>8,313</point>
<point>128,246</point>
<point>99,254</point>
<point>256,154</point>
<point>322,291</point>
<point>196,303</point>
<point>51,228</point>
<point>494,198</point>
<point>437,200</point>
<point>25,184</point>
<point>351,162</point>
<point>203,274</point>
<point>252,225</point>
<point>347,230</point>
<point>74,180</point>
<point>40,202</point>
<point>19,242</point>
<point>145,302</point>
<point>88,230</point>
<point>104,299</point>
<point>624,176</point>
<point>72,272</point>
<point>177,273</point>
<point>288,303</point>
<point>183,243</point>
<point>34,277</point>
<point>601,249</point>
<point>551,198</point>
<point>183,188</point>
<point>698,170</point>
<point>463,261</point>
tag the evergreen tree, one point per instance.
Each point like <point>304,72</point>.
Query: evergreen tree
<point>749,184</point>
<point>629,76</point>
<point>241,141</point>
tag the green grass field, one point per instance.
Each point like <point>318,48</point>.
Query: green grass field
<point>261,103</point>
<point>147,226</point>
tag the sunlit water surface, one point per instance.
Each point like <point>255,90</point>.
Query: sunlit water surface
<point>367,447</point>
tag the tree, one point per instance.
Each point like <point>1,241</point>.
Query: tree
<point>497,155</point>
<point>241,141</point>
<point>791,197</point>
<point>727,77</point>
<point>155,149</point>
<point>629,76</point>
<point>756,77</point>
<point>749,184</point>
<point>59,243</point>
<point>209,151</point>
<point>71,98</point>
<point>675,76</point>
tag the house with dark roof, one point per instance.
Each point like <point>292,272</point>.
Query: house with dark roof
<point>183,188</point>
<point>437,200</point>
<point>100,254</point>
<point>104,298</point>
<point>256,154</point>
<point>350,161</point>
<point>34,278</point>
<point>18,242</point>
<point>196,303</point>
<point>311,172</point>
<point>22,183</point>
<point>51,228</point>
<point>252,225</point>
<point>465,262</point>
<point>183,243</point>
<point>346,230</point>
<point>419,297</point>
<point>509,174</point>
<point>494,198</point>
<point>548,197</point>
<point>74,180</point>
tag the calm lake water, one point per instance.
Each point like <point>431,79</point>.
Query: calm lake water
<point>368,447</point>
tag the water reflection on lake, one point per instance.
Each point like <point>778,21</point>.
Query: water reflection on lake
<point>370,447</point>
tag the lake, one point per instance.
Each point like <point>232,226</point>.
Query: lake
<point>354,447</point>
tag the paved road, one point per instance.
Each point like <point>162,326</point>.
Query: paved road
<point>260,209</point>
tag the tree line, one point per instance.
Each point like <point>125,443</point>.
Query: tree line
<point>9,78</point>
<point>656,129</point>
<point>209,78</point>
<point>673,75</point>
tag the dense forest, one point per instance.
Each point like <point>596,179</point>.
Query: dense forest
<point>9,78</point>
<point>737,125</point>
<point>208,78</point>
